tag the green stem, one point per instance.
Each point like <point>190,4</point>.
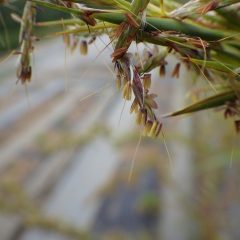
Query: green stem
<point>167,24</point>
<point>152,23</point>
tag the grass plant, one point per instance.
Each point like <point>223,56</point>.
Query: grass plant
<point>201,34</point>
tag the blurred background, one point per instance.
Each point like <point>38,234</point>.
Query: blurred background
<point>73,164</point>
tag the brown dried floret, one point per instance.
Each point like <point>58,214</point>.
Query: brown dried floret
<point>134,106</point>
<point>127,91</point>
<point>24,73</point>
<point>176,70</point>
<point>118,53</point>
<point>158,130</point>
<point>208,7</point>
<point>118,81</point>
<point>149,100</point>
<point>139,117</point>
<point>83,47</point>
<point>132,21</point>
<point>153,129</point>
<point>147,80</point>
<point>237,125</point>
<point>147,128</point>
<point>162,70</point>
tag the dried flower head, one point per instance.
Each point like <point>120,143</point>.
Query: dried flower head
<point>144,102</point>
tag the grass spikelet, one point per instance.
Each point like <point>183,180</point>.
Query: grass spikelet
<point>83,47</point>
<point>134,106</point>
<point>127,91</point>
<point>152,132</point>
<point>237,125</point>
<point>176,70</point>
<point>118,82</point>
<point>139,117</point>
<point>158,129</point>
<point>144,117</point>
<point>147,80</point>
<point>162,71</point>
<point>147,128</point>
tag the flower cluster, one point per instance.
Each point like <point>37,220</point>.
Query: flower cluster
<point>200,34</point>
<point>136,86</point>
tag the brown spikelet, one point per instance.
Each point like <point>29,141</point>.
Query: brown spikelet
<point>237,125</point>
<point>24,73</point>
<point>139,117</point>
<point>198,42</point>
<point>208,7</point>
<point>158,130</point>
<point>119,30</point>
<point>176,70</point>
<point>132,21</point>
<point>118,81</point>
<point>127,91</point>
<point>147,80</point>
<point>88,18</point>
<point>83,47</point>
<point>134,106</point>
<point>144,116</point>
<point>162,70</point>
<point>92,39</point>
<point>74,45</point>
<point>118,53</point>
<point>147,128</point>
<point>153,129</point>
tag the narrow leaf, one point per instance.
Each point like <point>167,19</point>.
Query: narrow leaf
<point>211,102</point>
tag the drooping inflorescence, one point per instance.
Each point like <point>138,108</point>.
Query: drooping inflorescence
<point>202,35</point>
<point>26,38</point>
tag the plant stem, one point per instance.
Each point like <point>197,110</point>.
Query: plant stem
<point>167,24</point>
